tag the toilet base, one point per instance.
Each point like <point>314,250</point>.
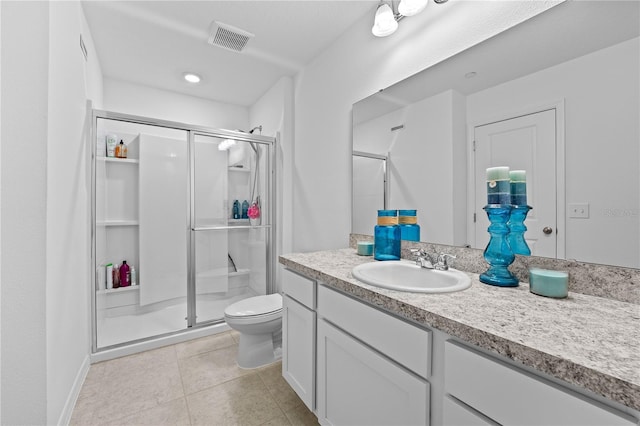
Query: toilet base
<point>257,350</point>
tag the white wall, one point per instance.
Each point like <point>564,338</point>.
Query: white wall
<point>134,99</point>
<point>274,111</point>
<point>600,135</point>
<point>45,211</point>
<point>355,66</point>
<point>25,28</point>
<point>68,210</point>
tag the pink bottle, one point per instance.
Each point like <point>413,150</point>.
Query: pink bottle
<point>125,275</point>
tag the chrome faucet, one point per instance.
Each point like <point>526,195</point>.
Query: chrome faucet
<point>426,260</point>
<point>423,259</point>
<point>442,264</point>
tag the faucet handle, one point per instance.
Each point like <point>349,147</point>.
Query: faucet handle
<point>442,260</point>
<point>418,252</point>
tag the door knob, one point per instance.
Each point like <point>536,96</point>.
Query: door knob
<point>547,230</point>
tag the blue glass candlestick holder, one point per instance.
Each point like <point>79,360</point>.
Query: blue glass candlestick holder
<point>498,253</point>
<point>517,229</point>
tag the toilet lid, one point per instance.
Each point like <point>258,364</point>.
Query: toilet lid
<point>258,305</point>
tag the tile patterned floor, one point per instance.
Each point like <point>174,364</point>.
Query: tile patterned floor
<point>192,383</point>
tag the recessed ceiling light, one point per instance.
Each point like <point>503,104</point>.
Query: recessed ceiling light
<point>191,77</point>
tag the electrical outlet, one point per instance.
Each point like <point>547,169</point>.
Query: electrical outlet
<point>579,210</point>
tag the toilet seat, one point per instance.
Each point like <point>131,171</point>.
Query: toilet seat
<point>256,308</point>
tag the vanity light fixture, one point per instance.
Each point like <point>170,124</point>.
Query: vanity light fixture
<point>412,7</point>
<point>192,78</point>
<point>385,22</point>
<point>388,14</point>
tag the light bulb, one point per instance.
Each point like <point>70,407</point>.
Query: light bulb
<point>191,77</point>
<point>412,7</point>
<point>226,144</point>
<point>385,23</point>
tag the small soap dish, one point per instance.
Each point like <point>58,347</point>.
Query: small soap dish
<point>365,248</point>
<point>549,283</point>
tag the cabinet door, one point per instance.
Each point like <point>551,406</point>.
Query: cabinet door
<point>298,349</point>
<point>357,385</point>
<point>456,414</point>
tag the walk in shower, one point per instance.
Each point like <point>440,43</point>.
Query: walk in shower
<point>190,212</point>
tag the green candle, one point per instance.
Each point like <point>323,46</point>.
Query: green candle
<point>548,283</point>
<point>498,190</point>
<point>498,173</point>
<point>518,187</point>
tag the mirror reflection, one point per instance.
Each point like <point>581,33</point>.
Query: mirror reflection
<point>557,96</point>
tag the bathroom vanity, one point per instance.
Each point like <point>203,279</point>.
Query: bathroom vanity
<point>358,354</point>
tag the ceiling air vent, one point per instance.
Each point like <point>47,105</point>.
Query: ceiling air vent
<point>228,37</point>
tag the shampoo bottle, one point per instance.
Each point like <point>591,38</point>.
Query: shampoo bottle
<point>121,150</point>
<point>134,276</point>
<point>236,210</point>
<point>109,268</point>
<point>125,275</point>
<point>245,209</point>
<point>116,276</point>
<point>112,141</point>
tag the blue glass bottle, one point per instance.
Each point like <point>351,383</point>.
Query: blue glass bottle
<point>245,209</point>
<point>387,236</point>
<point>409,228</point>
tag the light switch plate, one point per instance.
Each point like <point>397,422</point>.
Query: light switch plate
<point>579,210</point>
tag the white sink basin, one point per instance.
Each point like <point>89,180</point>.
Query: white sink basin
<point>407,276</point>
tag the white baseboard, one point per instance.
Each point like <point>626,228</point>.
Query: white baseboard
<point>65,416</point>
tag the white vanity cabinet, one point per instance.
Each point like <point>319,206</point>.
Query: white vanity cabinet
<point>481,389</point>
<point>372,368</point>
<point>299,335</point>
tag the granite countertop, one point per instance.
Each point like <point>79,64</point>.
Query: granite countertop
<point>589,341</point>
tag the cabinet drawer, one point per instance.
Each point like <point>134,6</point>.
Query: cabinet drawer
<point>406,344</point>
<point>515,397</point>
<point>299,288</point>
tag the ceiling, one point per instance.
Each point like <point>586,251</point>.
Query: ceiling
<point>154,42</point>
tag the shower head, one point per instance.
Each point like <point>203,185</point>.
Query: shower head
<point>256,128</point>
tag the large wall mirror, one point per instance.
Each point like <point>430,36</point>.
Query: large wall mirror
<point>557,95</point>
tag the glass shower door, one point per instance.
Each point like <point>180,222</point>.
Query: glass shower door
<point>230,223</point>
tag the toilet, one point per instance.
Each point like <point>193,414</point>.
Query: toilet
<point>259,321</point>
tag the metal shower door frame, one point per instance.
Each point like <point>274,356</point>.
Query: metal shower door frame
<point>269,228</point>
<point>192,131</point>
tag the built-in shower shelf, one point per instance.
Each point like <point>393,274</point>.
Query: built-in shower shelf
<point>119,160</point>
<point>239,169</point>
<point>118,223</point>
<point>239,272</point>
<point>119,290</point>
<point>220,272</point>
<point>238,222</point>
